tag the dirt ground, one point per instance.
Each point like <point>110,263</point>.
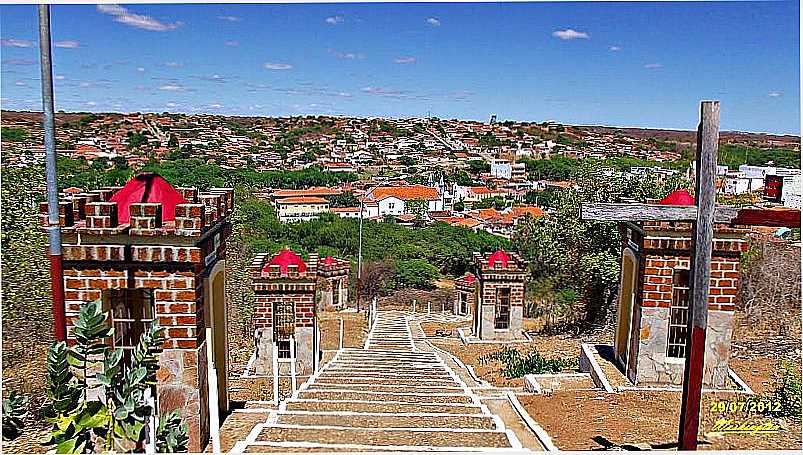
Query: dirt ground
<point>355,329</point>
<point>589,420</point>
<point>552,346</point>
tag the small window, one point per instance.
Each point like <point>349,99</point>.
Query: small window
<point>131,312</point>
<point>502,320</point>
<point>679,315</point>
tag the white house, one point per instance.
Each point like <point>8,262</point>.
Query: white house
<point>393,200</point>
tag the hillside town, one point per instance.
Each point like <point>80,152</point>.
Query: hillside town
<point>465,173</point>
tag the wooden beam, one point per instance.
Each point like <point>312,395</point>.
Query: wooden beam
<point>655,212</point>
<point>702,240</point>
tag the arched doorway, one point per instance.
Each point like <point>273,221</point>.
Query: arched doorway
<point>216,306</point>
<point>627,288</point>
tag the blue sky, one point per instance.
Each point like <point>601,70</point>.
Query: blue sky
<point>623,64</point>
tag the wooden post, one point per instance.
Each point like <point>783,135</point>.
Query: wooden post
<point>702,238</point>
<point>341,333</point>
<point>293,364</point>
<point>275,365</point>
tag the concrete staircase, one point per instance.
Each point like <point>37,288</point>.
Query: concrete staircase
<point>389,396</point>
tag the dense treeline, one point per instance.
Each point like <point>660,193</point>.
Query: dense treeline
<point>574,264</point>
<point>734,155</point>
<point>196,172</point>
<point>448,248</point>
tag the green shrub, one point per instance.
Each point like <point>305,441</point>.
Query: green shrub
<point>517,364</point>
<point>787,389</point>
<point>14,412</point>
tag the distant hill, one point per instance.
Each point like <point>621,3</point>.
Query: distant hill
<point>690,137</point>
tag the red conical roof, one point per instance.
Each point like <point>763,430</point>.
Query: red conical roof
<point>499,256</point>
<point>147,188</point>
<point>284,259</point>
<point>678,197</point>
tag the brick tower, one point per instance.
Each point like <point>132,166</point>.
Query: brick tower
<point>466,287</point>
<point>334,277</point>
<point>284,288</point>
<point>500,299</point>
<point>653,307</point>
<point>153,252</point>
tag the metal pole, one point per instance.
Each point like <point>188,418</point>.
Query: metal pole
<point>702,239</point>
<point>53,225</point>
<point>359,260</point>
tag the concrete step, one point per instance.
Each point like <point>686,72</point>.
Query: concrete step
<point>387,406</point>
<point>477,421</point>
<point>383,396</point>
<point>385,388</point>
<point>385,437</point>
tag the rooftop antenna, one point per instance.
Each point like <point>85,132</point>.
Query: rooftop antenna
<point>53,225</point>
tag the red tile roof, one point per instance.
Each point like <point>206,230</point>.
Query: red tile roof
<point>406,193</point>
<point>320,191</point>
<point>302,200</point>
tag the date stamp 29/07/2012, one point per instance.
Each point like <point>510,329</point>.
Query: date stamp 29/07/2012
<point>745,416</point>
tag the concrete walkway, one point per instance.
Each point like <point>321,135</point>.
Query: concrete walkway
<point>396,394</point>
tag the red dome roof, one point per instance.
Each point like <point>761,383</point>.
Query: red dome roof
<point>499,256</point>
<point>284,259</point>
<point>469,278</point>
<point>147,188</point>
<point>678,197</point>
<point>329,260</point>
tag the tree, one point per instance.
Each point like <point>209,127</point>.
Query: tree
<point>344,199</point>
<point>416,273</point>
<point>406,160</point>
<point>173,141</point>
<point>583,256</point>
<point>375,279</point>
<point>417,207</point>
<point>13,134</point>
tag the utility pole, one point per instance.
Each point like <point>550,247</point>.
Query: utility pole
<point>53,224</point>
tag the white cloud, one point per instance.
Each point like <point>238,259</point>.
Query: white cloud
<point>569,34</point>
<point>91,103</point>
<point>232,43</point>
<point>334,20</point>
<point>653,66</point>
<point>11,42</point>
<point>124,16</point>
<point>174,64</point>
<point>230,18</point>
<point>347,55</point>
<point>775,94</point>
<point>384,92</point>
<point>140,69</point>
<point>277,66</point>
<point>614,48</point>
<point>404,60</point>
<point>171,104</point>
<point>59,77</point>
<point>172,87</point>
<point>67,44</point>
<point>433,21</point>
<point>215,106</point>
<point>19,61</point>
<point>21,83</point>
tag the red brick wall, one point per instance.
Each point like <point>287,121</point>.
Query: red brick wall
<point>656,281</point>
